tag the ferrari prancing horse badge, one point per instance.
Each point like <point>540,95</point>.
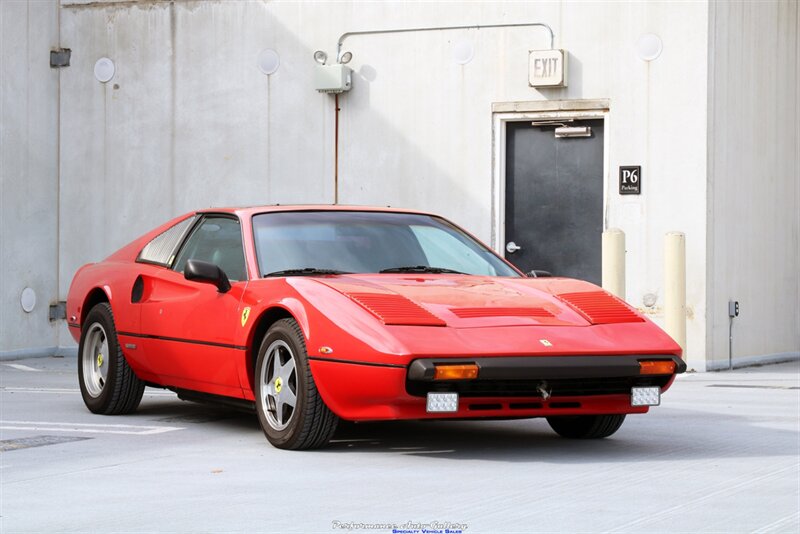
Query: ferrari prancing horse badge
<point>245,315</point>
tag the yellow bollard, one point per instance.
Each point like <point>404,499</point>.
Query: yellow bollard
<point>613,252</point>
<point>675,287</point>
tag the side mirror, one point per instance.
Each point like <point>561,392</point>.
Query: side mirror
<point>536,273</point>
<point>202,271</point>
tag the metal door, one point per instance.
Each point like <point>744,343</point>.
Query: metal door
<point>554,197</point>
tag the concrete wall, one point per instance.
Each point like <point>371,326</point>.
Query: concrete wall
<point>28,174</point>
<point>189,121</point>
<point>754,180</point>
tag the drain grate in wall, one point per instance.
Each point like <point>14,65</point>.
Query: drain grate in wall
<point>36,441</point>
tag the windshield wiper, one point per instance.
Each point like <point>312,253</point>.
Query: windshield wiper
<point>306,271</point>
<point>420,269</point>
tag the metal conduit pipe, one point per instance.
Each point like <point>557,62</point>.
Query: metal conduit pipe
<point>345,35</point>
<point>340,43</point>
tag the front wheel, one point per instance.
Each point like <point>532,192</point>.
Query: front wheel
<point>586,426</point>
<point>290,409</point>
<point>108,384</point>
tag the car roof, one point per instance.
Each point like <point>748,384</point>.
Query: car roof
<point>248,211</point>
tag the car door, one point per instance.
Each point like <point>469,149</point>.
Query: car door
<point>190,324</point>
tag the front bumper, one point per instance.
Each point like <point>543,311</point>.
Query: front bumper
<point>542,376</point>
<point>505,387</point>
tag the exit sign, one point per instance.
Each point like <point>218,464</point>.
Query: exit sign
<point>547,68</point>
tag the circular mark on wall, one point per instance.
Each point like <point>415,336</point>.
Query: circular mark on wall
<point>104,69</point>
<point>649,47</point>
<point>28,299</point>
<point>463,52</point>
<point>368,72</point>
<point>268,61</point>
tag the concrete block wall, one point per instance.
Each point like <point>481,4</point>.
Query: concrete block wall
<point>754,182</point>
<point>188,121</point>
<point>28,175</point>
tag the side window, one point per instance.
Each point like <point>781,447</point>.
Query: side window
<point>161,250</point>
<point>216,240</point>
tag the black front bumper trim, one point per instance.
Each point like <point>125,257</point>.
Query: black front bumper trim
<point>545,367</point>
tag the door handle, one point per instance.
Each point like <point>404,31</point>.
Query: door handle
<point>512,247</point>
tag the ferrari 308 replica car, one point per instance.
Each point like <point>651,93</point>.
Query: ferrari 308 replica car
<point>315,314</point>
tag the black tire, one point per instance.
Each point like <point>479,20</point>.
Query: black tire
<point>309,424</point>
<point>119,390</point>
<point>586,426</point>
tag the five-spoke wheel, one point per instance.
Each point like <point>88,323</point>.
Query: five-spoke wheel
<point>290,409</point>
<point>279,384</point>
<point>95,359</point>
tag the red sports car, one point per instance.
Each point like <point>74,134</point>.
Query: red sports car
<point>313,314</point>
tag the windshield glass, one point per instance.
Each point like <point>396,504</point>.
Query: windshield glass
<point>330,242</point>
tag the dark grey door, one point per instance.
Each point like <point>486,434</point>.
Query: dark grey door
<point>554,199</point>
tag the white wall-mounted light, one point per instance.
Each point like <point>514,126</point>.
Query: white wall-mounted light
<point>463,52</point>
<point>104,69</point>
<point>346,57</point>
<point>320,57</point>
<point>268,61</point>
<point>649,47</point>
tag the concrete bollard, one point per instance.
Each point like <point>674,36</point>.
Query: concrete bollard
<point>675,287</point>
<point>613,252</point>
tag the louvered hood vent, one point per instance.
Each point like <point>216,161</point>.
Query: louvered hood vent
<point>394,309</point>
<point>600,307</point>
<point>472,313</point>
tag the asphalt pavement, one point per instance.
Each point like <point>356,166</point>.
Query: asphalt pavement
<point>721,454</point>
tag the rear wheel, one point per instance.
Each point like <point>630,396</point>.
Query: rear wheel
<point>586,426</point>
<point>108,385</point>
<point>290,409</point>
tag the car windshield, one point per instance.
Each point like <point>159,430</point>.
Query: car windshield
<point>336,242</point>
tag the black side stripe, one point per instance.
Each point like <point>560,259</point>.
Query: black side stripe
<point>179,340</point>
<point>371,364</point>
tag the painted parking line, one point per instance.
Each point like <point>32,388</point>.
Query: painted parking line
<point>20,367</point>
<point>742,485</point>
<point>45,426</point>
<point>784,524</point>
<point>73,390</point>
<point>36,441</point>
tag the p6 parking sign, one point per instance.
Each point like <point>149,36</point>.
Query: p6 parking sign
<point>630,180</point>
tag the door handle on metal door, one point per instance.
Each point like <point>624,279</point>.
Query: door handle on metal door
<point>512,247</point>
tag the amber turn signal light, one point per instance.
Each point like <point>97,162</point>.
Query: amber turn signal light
<point>659,367</point>
<point>465,371</point>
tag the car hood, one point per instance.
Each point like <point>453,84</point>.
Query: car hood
<point>464,301</point>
